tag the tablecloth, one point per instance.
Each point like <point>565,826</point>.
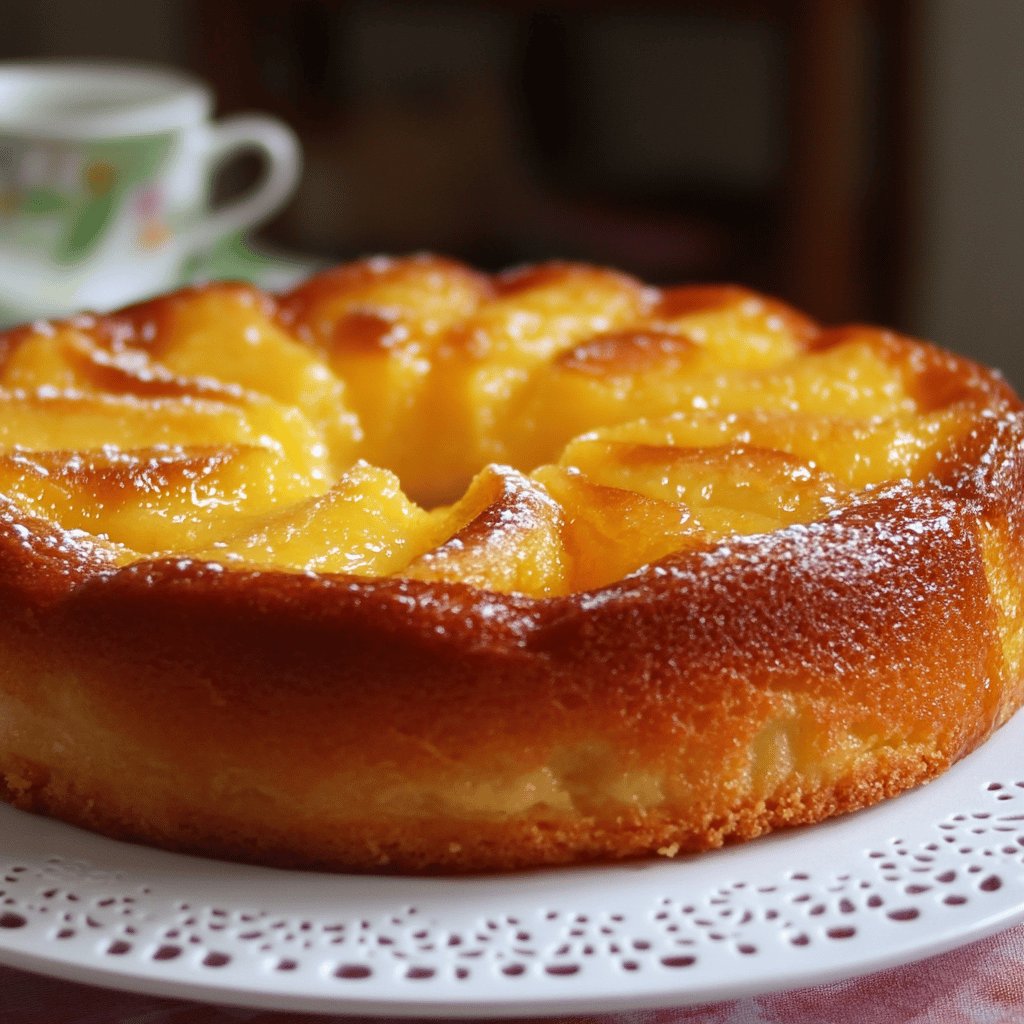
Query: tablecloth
<point>981,983</point>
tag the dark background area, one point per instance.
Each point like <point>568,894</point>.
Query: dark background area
<point>860,158</point>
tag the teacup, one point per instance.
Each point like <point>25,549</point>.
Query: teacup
<point>105,175</point>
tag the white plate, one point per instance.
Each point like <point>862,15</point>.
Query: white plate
<point>914,876</point>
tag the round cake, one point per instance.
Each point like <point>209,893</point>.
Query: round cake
<point>414,568</point>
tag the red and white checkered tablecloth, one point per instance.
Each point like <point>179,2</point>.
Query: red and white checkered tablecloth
<point>982,983</point>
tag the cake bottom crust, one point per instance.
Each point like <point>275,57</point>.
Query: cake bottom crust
<point>280,838</point>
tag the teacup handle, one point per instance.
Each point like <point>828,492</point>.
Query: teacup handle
<point>282,164</point>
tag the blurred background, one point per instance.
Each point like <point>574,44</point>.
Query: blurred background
<point>862,159</point>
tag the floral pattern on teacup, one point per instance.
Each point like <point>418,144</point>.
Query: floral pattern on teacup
<point>71,194</point>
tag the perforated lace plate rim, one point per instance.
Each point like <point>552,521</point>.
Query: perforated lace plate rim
<point>909,878</point>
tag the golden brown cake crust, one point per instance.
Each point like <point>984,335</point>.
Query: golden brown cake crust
<point>324,720</point>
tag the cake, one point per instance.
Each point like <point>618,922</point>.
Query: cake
<point>418,569</point>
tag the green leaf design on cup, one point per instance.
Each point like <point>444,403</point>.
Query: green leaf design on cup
<point>87,226</point>
<point>42,201</point>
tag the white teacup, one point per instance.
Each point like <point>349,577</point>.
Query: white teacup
<point>105,174</point>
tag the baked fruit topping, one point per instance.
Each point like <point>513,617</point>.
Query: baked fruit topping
<point>415,568</point>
